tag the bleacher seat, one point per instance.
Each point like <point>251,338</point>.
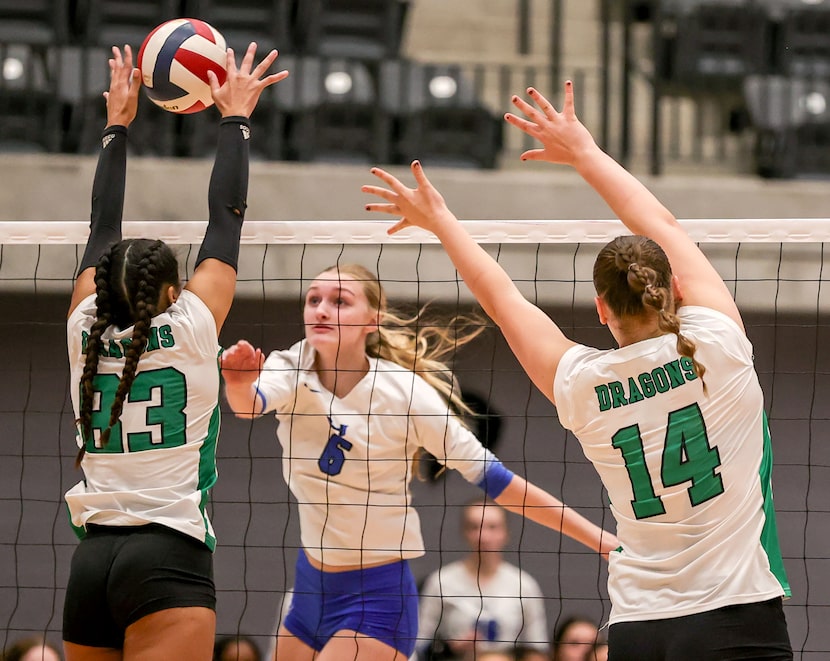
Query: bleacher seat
<point>435,113</point>
<point>709,46</point>
<point>31,112</point>
<point>330,111</point>
<point>802,46</point>
<point>267,22</point>
<point>791,118</point>
<point>359,29</point>
<point>101,24</point>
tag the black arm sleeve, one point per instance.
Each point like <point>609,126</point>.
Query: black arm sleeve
<point>107,196</point>
<point>227,193</point>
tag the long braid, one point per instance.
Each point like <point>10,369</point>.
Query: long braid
<point>103,320</point>
<point>128,281</point>
<point>144,309</point>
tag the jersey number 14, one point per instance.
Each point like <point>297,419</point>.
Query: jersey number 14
<point>687,457</point>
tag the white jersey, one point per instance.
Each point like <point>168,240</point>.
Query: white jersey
<point>348,461</point>
<point>687,472</point>
<point>506,609</point>
<point>160,461</point>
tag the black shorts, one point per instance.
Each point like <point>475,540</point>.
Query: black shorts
<point>746,631</point>
<point>119,574</point>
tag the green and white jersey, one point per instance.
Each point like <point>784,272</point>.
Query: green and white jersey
<point>348,461</point>
<point>160,461</point>
<point>687,471</point>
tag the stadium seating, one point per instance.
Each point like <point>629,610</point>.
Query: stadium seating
<point>359,29</point>
<point>329,109</point>
<point>791,117</point>
<point>709,46</point>
<point>434,112</point>
<point>267,22</point>
<point>31,36</point>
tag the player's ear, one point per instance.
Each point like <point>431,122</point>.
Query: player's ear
<point>676,291</point>
<point>601,311</point>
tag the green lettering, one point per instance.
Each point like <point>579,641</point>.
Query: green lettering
<point>688,368</point>
<point>617,394</point>
<point>152,340</point>
<point>113,350</point>
<point>166,338</point>
<point>603,397</point>
<point>661,381</point>
<point>634,394</point>
<point>675,373</point>
<point>647,384</point>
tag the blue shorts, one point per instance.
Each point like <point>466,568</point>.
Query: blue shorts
<point>379,602</point>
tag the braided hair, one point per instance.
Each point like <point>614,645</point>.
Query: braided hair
<point>632,275</point>
<point>129,281</point>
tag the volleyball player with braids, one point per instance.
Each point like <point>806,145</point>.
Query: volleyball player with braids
<point>673,420</point>
<point>143,356</point>
<point>357,401</point>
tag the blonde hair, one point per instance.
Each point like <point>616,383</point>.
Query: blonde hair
<point>414,342</point>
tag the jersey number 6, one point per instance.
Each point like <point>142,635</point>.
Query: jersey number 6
<point>331,461</point>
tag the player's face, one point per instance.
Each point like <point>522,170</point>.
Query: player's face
<point>577,642</point>
<point>337,314</point>
<point>485,528</point>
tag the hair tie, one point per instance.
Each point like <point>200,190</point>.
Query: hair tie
<point>632,265</point>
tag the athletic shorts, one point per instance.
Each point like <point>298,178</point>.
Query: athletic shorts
<point>745,631</point>
<point>379,602</point>
<point>119,574</point>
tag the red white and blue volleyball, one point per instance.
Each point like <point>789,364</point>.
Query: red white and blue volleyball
<point>174,61</point>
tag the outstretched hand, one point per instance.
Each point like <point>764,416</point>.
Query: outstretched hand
<point>241,364</point>
<point>125,83</point>
<point>564,138</point>
<point>422,206</point>
<point>239,94</point>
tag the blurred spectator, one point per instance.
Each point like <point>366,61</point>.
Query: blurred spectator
<point>236,648</point>
<point>481,603</point>
<point>576,639</point>
<point>31,649</point>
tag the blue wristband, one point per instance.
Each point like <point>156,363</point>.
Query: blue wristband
<point>496,478</point>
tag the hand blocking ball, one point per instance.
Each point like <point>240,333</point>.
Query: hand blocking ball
<point>174,61</point>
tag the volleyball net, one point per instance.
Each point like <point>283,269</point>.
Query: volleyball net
<point>775,268</point>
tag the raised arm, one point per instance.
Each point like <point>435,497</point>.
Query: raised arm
<point>214,279</point>
<point>565,140</point>
<point>111,172</point>
<point>531,502</point>
<point>535,339</point>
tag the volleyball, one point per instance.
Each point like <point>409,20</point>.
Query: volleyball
<point>174,61</point>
